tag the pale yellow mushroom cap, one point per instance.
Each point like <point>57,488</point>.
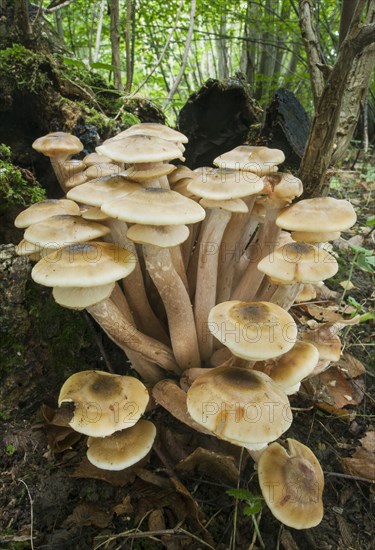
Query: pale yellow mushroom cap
<point>153,129</point>
<point>164,236</point>
<point>122,449</point>
<point>253,330</point>
<point>85,265</point>
<point>219,184</point>
<point>45,209</point>
<point>155,206</point>
<point>319,214</point>
<point>96,192</point>
<point>292,484</point>
<point>139,148</point>
<point>242,406</point>
<point>58,144</point>
<point>298,263</point>
<point>248,158</point>
<point>104,403</point>
<point>79,297</point>
<point>63,230</point>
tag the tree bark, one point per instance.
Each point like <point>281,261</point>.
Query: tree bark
<point>312,47</point>
<point>347,11</point>
<point>21,19</point>
<point>319,149</point>
<point>115,43</point>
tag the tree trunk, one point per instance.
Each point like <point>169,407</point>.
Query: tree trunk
<point>355,95</point>
<point>318,153</point>
<point>312,47</point>
<point>347,11</point>
<point>115,43</point>
<point>21,19</point>
<point>266,64</point>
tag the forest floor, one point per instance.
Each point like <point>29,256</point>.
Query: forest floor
<point>50,493</point>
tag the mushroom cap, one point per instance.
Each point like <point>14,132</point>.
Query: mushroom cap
<point>93,213</point>
<point>164,236</point>
<point>219,184</point>
<point>35,251</point>
<point>96,192</point>
<point>155,206</point>
<point>152,129</point>
<point>146,174</point>
<point>315,236</point>
<point>85,265</point>
<point>181,172</point>
<point>139,148</point>
<point>247,158</point>
<point>253,330</point>
<point>309,215</point>
<point>122,449</point>
<point>73,166</point>
<point>307,292</point>
<point>102,170</point>
<point>45,209</point>
<point>289,369</point>
<point>282,187</point>
<point>76,179</point>
<point>58,144</point>
<point>64,229</point>
<point>298,263</point>
<point>234,404</point>
<point>104,403</point>
<point>292,484</point>
<point>79,298</point>
<point>327,342</point>
<point>231,205</point>
<point>94,158</point>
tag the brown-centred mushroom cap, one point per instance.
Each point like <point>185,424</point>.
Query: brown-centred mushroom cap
<point>155,206</point>
<point>254,331</point>
<point>153,129</point>
<point>45,209</point>
<point>289,369</point>
<point>97,192</point>
<point>242,406</point>
<point>85,265</point>
<point>259,160</point>
<point>104,403</point>
<point>326,341</point>
<point>79,297</point>
<point>58,145</point>
<point>298,263</point>
<point>122,449</point>
<point>64,229</point>
<point>310,215</point>
<point>220,184</point>
<point>139,148</point>
<point>282,187</point>
<point>292,484</point>
<point>164,236</point>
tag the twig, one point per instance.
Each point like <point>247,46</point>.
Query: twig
<point>31,513</point>
<point>99,342</point>
<point>348,476</point>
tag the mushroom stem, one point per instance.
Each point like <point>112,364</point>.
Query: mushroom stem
<point>121,329</point>
<point>134,287</point>
<point>173,399</point>
<point>57,164</point>
<point>263,245</point>
<point>177,305</point>
<point>285,295</point>
<point>212,232</point>
<point>231,250</point>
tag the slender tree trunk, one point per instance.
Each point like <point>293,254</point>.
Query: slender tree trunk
<point>21,19</point>
<point>248,56</point>
<point>267,59</point>
<point>318,152</point>
<point>347,10</point>
<point>222,49</point>
<point>99,30</point>
<point>312,47</point>
<point>115,43</point>
<point>128,36</point>
<point>355,94</point>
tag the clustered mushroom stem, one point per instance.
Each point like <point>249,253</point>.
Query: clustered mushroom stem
<point>243,263</point>
<point>124,333</point>
<point>263,245</point>
<point>173,399</point>
<point>212,231</point>
<point>179,265</point>
<point>57,164</point>
<point>231,250</point>
<point>134,286</point>
<point>285,295</point>
<point>177,305</point>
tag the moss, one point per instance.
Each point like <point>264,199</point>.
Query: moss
<point>24,71</point>
<point>14,188</point>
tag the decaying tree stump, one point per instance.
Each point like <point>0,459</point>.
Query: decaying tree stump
<point>286,127</point>
<point>216,118</point>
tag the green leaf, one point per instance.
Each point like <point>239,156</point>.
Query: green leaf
<point>370,222</point>
<point>241,494</point>
<point>75,62</point>
<point>100,65</point>
<point>253,509</point>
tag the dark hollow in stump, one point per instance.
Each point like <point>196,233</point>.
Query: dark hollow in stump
<point>216,119</point>
<point>286,127</point>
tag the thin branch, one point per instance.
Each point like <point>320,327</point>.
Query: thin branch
<point>185,56</point>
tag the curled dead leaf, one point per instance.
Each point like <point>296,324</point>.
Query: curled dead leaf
<point>213,464</point>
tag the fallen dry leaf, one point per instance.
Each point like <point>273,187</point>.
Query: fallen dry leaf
<point>322,313</point>
<point>124,507</point>
<point>361,464</point>
<point>215,465</point>
<point>346,285</point>
<point>87,513</point>
<point>350,366</point>
<point>368,442</point>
